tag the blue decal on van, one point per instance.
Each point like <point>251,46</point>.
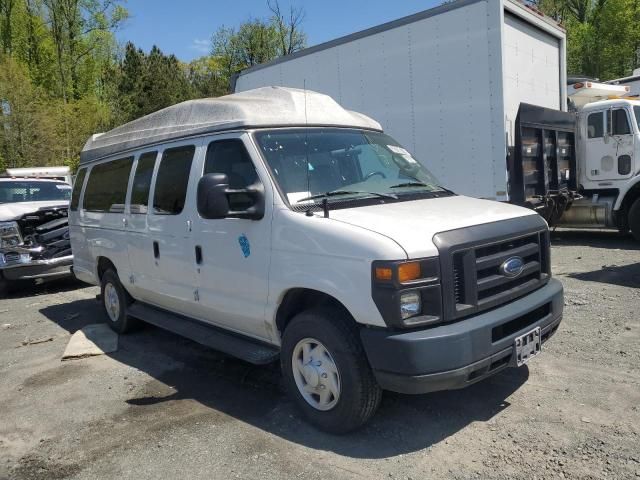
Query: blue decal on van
<point>244,245</point>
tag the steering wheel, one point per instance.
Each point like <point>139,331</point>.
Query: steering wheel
<point>373,174</point>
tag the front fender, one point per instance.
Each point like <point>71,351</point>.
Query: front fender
<point>624,190</point>
<point>328,256</point>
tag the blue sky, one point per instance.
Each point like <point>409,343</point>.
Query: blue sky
<point>184,27</point>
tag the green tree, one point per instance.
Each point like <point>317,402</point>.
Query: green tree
<point>206,77</point>
<point>603,36</point>
<point>6,23</point>
<point>288,30</point>
<point>27,127</point>
<point>257,41</point>
<point>147,83</point>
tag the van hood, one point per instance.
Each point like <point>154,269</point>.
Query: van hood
<point>413,224</point>
<point>15,211</point>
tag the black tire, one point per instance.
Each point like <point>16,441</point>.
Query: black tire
<point>359,392</point>
<point>634,219</point>
<point>4,287</point>
<point>122,323</point>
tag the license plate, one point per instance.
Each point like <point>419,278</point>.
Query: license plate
<point>528,346</point>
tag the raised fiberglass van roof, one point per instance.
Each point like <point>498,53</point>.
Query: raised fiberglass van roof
<point>259,108</point>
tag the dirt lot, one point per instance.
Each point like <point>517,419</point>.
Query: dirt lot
<point>164,407</point>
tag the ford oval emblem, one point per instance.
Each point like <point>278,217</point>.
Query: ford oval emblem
<point>512,267</point>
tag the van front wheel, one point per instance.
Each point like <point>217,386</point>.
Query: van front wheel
<point>115,301</point>
<point>326,371</point>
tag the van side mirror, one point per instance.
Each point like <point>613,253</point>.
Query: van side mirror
<point>215,199</point>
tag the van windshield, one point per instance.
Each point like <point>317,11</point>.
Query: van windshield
<point>311,165</point>
<point>636,110</point>
<point>33,191</point>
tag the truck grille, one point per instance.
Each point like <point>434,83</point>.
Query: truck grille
<point>11,257</point>
<point>48,228</point>
<point>489,286</point>
<point>472,268</point>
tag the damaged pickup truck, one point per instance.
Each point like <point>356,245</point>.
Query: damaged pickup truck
<point>34,231</point>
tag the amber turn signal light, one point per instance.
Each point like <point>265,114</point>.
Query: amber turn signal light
<point>408,271</point>
<point>383,273</point>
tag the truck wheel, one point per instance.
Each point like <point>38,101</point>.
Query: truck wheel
<point>326,371</point>
<point>634,219</point>
<point>115,301</point>
<point>4,287</point>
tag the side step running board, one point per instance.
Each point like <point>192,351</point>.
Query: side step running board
<point>244,348</point>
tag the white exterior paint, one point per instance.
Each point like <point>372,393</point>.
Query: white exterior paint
<point>598,157</point>
<point>289,250</point>
<point>633,82</point>
<point>443,85</point>
<point>531,59</point>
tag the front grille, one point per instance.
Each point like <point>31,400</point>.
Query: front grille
<point>11,257</point>
<point>47,228</point>
<point>471,258</point>
<point>478,281</point>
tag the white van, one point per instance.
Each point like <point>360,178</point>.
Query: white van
<point>275,223</point>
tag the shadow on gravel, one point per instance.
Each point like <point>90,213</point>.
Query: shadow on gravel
<point>623,276</point>
<point>186,371</point>
<point>608,239</point>
<point>28,289</point>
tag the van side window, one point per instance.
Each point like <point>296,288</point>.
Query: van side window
<point>107,186</point>
<point>172,180</point>
<point>77,188</point>
<point>619,122</point>
<point>142,182</point>
<point>231,158</point>
<point>595,125</point>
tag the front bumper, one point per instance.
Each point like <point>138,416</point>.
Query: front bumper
<point>464,352</point>
<point>33,269</point>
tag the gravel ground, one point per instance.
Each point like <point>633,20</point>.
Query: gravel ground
<point>164,407</point>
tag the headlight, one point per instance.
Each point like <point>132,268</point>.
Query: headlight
<point>408,293</point>
<point>410,305</point>
<point>9,234</point>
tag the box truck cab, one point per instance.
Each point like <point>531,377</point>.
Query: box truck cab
<point>608,160</point>
<point>275,223</point>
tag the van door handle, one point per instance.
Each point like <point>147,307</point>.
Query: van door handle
<point>198,254</point>
<point>156,249</point>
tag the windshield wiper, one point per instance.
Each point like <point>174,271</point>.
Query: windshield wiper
<point>409,184</point>
<point>420,184</point>
<point>347,192</point>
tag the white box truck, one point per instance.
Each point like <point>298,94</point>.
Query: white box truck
<point>475,88</point>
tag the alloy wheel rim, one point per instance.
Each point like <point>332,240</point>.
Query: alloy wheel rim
<point>316,374</point>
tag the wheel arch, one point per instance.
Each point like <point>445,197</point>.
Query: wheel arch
<point>297,300</point>
<point>102,265</point>
<point>628,196</point>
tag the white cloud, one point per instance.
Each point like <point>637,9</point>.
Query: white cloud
<point>202,46</point>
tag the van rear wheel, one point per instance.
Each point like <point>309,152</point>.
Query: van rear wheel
<point>634,219</point>
<point>326,371</point>
<point>115,301</point>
